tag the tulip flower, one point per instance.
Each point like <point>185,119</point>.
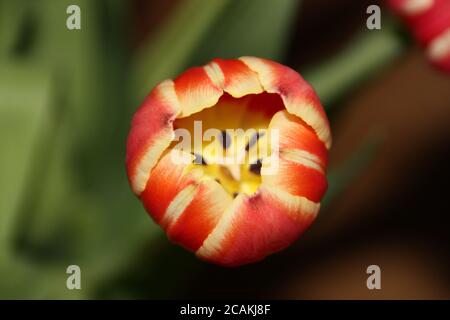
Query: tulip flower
<point>231,213</point>
<point>429,21</point>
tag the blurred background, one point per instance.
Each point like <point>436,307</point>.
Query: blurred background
<point>66,102</point>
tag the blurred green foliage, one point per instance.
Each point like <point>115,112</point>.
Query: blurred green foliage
<point>364,56</point>
<point>66,100</point>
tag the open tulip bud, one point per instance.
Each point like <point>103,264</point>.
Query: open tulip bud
<point>429,21</point>
<point>230,158</point>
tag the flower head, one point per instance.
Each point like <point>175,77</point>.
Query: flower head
<point>230,158</point>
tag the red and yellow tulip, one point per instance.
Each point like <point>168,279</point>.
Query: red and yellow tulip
<point>429,21</point>
<point>231,214</point>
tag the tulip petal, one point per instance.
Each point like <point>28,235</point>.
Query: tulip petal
<point>237,79</point>
<point>200,215</point>
<point>298,175</point>
<point>196,91</point>
<point>427,18</point>
<point>151,133</point>
<point>296,134</point>
<point>298,96</point>
<point>438,50</point>
<point>166,181</point>
<point>254,227</point>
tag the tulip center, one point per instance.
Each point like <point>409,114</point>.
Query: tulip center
<point>230,140</point>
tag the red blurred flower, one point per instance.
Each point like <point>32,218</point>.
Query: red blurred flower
<point>429,21</point>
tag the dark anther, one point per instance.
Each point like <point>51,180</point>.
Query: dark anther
<point>253,140</point>
<point>256,167</point>
<point>225,139</point>
<point>217,180</point>
<point>235,194</point>
<point>199,159</point>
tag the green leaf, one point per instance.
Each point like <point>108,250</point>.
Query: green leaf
<point>74,58</point>
<point>25,280</point>
<point>367,54</point>
<point>13,15</point>
<point>247,27</point>
<point>340,177</point>
<point>165,55</point>
<point>24,97</point>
